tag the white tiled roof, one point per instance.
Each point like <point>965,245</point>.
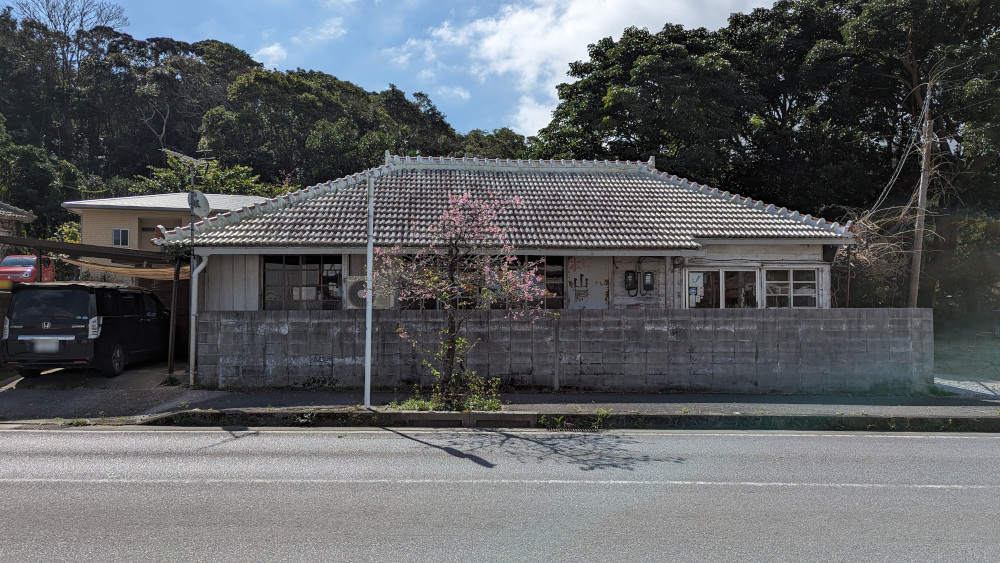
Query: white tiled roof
<point>8,211</point>
<point>165,202</point>
<point>567,205</point>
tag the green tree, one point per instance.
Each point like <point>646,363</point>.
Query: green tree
<point>670,95</point>
<point>501,143</point>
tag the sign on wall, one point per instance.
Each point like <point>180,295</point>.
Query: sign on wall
<point>587,282</point>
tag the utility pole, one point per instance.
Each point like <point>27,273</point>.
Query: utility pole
<point>925,176</point>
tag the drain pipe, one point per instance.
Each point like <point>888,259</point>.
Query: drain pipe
<point>193,338</point>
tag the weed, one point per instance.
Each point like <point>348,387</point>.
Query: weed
<point>306,419</point>
<point>185,405</point>
<point>840,413</point>
<point>602,418</point>
<point>415,404</point>
<point>484,395</point>
<point>170,381</point>
<point>553,423</point>
<point>77,422</point>
<point>685,410</point>
<point>936,391</point>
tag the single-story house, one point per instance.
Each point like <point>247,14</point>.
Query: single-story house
<point>669,267</point>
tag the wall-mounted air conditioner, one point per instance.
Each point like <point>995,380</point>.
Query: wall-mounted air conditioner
<point>354,294</point>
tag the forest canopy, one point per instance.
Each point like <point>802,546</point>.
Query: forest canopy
<point>811,104</point>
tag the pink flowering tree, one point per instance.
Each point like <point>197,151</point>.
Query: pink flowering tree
<point>468,265</point>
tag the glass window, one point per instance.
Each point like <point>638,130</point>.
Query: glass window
<point>151,305</point>
<point>119,237</point>
<point>703,289</point>
<point>302,282</point>
<point>46,304</point>
<point>740,290</point>
<point>131,303</point>
<point>791,288</point>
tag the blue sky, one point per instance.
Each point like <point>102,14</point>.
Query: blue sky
<point>485,64</point>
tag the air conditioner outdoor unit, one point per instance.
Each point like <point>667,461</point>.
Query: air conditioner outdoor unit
<point>354,294</point>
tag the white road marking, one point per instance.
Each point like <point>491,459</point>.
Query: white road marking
<point>599,482</point>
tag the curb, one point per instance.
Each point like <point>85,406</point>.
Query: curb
<point>569,421</point>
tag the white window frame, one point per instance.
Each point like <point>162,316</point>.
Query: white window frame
<point>763,284</point>
<point>722,283</point>
<point>792,290</point>
<point>119,232</point>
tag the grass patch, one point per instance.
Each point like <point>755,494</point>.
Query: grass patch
<point>967,352</point>
<point>936,391</point>
<point>482,395</point>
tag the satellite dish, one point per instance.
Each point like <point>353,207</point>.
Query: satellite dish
<point>199,204</point>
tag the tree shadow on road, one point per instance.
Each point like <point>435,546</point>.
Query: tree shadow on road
<point>588,451</point>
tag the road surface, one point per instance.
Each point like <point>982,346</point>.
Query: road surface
<point>378,495</point>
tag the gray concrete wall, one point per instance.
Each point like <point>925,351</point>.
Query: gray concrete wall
<point>735,350</point>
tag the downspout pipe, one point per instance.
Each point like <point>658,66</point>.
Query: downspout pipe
<point>193,338</point>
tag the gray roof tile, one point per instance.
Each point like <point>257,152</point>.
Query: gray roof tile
<point>567,205</point>
<point>8,211</point>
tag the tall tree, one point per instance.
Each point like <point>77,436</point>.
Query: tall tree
<point>670,95</point>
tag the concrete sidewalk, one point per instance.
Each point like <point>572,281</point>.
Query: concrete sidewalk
<point>140,397</point>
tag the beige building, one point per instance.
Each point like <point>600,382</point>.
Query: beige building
<point>130,222</point>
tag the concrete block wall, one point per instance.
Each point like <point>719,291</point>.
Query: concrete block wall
<point>719,350</point>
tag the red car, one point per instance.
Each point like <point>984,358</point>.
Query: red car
<point>21,268</point>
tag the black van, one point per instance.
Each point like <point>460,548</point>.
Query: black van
<point>82,325</point>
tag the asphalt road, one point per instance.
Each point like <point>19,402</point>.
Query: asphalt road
<point>366,495</point>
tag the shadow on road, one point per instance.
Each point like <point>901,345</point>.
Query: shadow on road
<point>588,451</point>
<point>447,449</point>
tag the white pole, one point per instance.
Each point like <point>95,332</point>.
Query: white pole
<point>193,331</point>
<point>369,293</point>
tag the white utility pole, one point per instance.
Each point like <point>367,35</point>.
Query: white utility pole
<point>925,175</point>
<point>369,293</point>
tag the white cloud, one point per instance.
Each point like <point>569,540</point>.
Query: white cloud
<point>532,115</point>
<point>331,29</point>
<point>427,75</point>
<point>454,92</point>
<point>271,56</point>
<point>533,41</point>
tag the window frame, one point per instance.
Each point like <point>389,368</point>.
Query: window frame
<point>320,276</point>
<point>764,286</point>
<point>116,234</point>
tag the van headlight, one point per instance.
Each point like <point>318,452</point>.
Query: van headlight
<point>94,327</point>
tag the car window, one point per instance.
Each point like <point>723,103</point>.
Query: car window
<point>152,305</point>
<point>131,303</point>
<point>18,261</point>
<point>51,304</point>
<point>107,302</point>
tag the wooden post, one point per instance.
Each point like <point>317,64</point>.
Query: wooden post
<point>173,318</point>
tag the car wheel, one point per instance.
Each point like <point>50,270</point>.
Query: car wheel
<point>116,362</point>
<point>27,372</point>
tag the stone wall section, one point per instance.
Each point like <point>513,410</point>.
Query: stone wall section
<point>734,350</point>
